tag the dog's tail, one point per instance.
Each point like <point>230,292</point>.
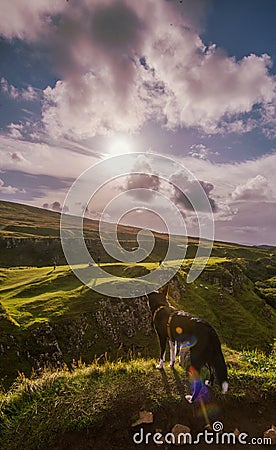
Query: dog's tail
<point>219,363</point>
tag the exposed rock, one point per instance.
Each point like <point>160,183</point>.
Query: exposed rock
<point>271,433</point>
<point>144,417</point>
<point>46,350</point>
<point>48,344</point>
<point>73,334</point>
<point>176,287</point>
<point>181,434</point>
<point>227,275</point>
<point>123,317</point>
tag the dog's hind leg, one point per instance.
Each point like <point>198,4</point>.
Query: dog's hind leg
<point>173,348</point>
<point>211,380</point>
<point>163,342</point>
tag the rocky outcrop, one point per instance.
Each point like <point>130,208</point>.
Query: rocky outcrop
<point>72,334</point>
<point>119,318</point>
<point>227,275</point>
<point>176,287</point>
<point>43,347</point>
<point>30,251</point>
<point>47,344</point>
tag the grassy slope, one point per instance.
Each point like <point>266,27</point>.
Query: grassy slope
<point>27,221</point>
<point>19,221</point>
<point>30,295</point>
<point>109,396</point>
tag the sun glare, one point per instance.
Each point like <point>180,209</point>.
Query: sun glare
<point>120,146</point>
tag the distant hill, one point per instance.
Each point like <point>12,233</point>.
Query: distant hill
<point>31,236</point>
<point>23,221</point>
<point>18,221</point>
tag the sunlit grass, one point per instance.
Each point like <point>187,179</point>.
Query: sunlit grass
<point>34,411</point>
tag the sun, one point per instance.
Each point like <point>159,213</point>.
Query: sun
<point>120,145</point>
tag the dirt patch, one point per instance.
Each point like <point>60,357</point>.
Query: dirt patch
<point>117,433</point>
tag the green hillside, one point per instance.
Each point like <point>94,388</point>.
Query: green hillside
<point>95,406</point>
<point>50,323</point>
<point>48,317</point>
<point>54,305</point>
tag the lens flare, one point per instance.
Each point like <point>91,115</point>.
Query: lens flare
<point>187,342</point>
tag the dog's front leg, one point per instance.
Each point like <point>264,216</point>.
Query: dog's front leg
<point>163,342</point>
<point>173,346</point>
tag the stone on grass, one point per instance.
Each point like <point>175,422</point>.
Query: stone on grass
<point>144,417</point>
<point>179,431</point>
<point>271,433</point>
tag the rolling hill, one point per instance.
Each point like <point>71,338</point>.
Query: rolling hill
<point>48,317</point>
<point>51,326</point>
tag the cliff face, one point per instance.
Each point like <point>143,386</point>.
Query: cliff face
<point>115,323</point>
<point>119,318</point>
<point>229,277</point>
<point>30,252</point>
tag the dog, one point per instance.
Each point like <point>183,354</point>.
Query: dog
<point>184,330</point>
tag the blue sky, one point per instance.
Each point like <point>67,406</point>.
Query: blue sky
<point>195,81</point>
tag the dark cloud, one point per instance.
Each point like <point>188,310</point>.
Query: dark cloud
<point>142,181</point>
<point>191,192</point>
<point>208,187</point>
<point>92,34</point>
<point>115,26</point>
<point>55,206</point>
<point>30,187</point>
<point>136,181</point>
<point>16,156</point>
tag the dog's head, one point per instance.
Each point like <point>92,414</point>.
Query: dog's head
<point>156,299</point>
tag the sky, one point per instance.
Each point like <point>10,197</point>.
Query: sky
<point>83,80</point>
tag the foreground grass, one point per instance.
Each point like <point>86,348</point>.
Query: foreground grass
<point>34,411</point>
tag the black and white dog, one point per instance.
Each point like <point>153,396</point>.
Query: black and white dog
<point>182,329</point>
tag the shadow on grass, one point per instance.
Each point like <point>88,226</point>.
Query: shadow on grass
<point>182,383</point>
<point>165,381</point>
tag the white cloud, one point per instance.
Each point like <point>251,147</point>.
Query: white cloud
<point>43,158</point>
<point>96,108</point>
<point>29,94</point>
<point>103,87</point>
<point>202,89</point>
<point>250,225</point>
<point>207,87</point>
<point>9,189</point>
<point>230,196</point>
<point>26,19</point>
<point>226,177</point>
<point>201,151</point>
<point>256,188</point>
<point>15,130</point>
